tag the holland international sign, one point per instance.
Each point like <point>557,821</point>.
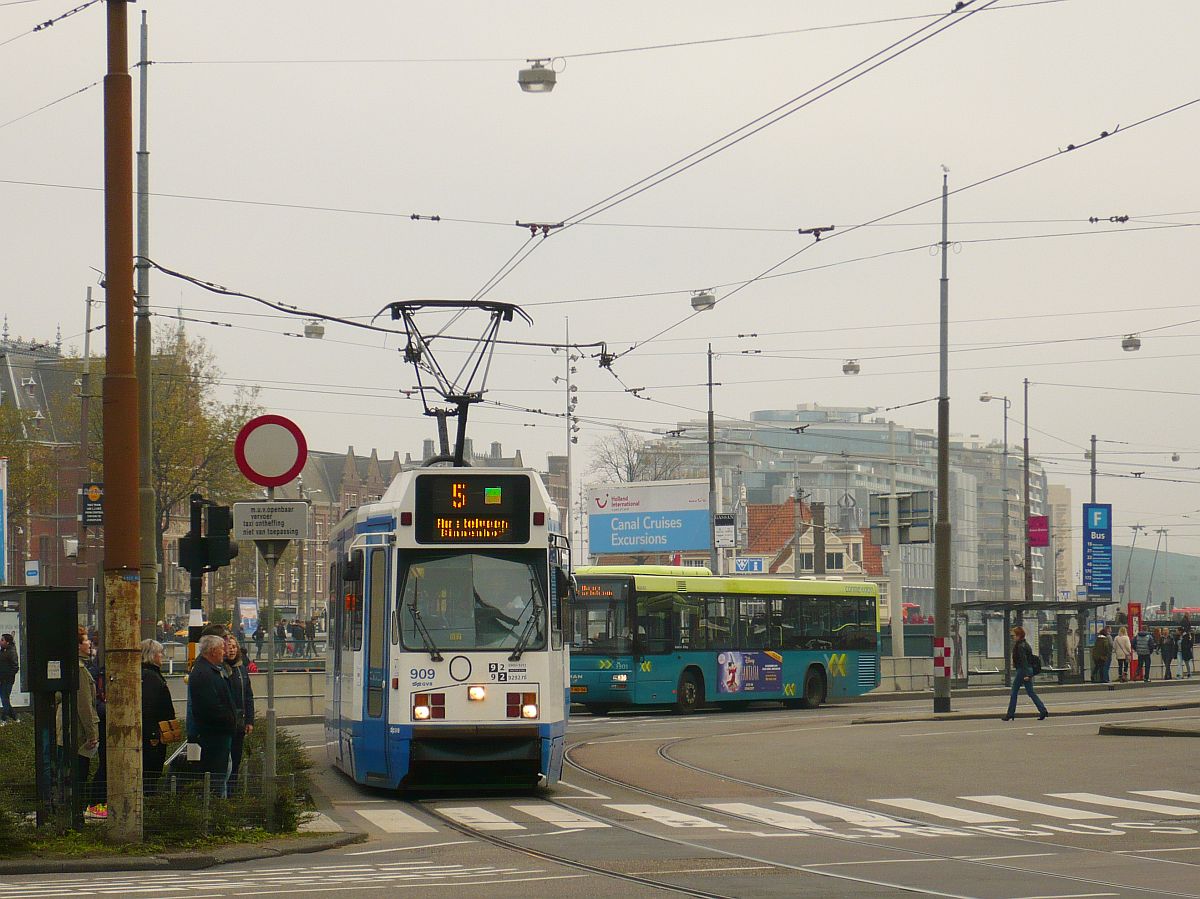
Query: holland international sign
<point>1097,549</point>
<point>649,516</point>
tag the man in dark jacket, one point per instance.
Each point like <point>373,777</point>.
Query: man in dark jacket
<point>258,640</point>
<point>214,719</point>
<point>9,666</point>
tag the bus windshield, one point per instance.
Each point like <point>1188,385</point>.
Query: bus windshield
<point>600,617</point>
<point>472,600</point>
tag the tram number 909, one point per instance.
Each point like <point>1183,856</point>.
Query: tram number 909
<point>421,673</point>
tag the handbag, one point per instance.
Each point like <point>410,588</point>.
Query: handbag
<point>170,732</point>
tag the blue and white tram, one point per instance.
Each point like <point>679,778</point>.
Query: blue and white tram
<point>446,664</point>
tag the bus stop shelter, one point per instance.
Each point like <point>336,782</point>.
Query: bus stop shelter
<point>1014,611</point>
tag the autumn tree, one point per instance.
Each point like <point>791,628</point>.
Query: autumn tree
<point>30,468</point>
<point>624,456</point>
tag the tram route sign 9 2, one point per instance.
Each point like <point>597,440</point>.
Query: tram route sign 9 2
<point>472,508</point>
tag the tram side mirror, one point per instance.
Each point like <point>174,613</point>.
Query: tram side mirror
<point>564,589</point>
<point>352,568</point>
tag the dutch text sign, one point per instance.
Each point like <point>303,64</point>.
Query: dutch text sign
<point>270,521</point>
<point>1097,548</point>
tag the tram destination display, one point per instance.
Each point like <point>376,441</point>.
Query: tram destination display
<point>470,508</point>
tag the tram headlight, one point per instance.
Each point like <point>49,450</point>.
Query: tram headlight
<point>529,710</point>
<point>476,693</point>
<point>421,712</point>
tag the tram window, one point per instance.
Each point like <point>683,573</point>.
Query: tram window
<point>377,599</point>
<point>356,610</point>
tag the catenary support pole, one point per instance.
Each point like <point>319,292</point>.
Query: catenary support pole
<point>148,517</point>
<point>941,528</point>
<point>122,559</point>
<point>895,563</point>
<point>1025,530</point>
<point>712,475</point>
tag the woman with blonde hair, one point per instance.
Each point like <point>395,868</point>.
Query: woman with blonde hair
<point>1023,671</point>
<point>1122,650</point>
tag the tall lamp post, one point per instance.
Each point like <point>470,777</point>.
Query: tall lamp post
<point>703,301</point>
<point>1005,559</point>
<point>941,528</point>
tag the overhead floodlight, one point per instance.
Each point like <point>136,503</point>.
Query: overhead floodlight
<point>537,79</point>
<point>703,300</point>
<point>1132,343</point>
<point>314,329</point>
<point>851,367</point>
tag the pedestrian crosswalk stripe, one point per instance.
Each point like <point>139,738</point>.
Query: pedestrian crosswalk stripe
<point>1169,794</point>
<point>392,820</point>
<point>949,812</point>
<point>663,815</point>
<point>1038,808</point>
<point>850,815</point>
<point>559,816</point>
<point>479,819</point>
<point>1135,805</point>
<point>772,817</point>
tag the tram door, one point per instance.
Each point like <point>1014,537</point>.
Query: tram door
<point>377,579</point>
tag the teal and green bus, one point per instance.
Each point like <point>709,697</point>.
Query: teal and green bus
<point>647,635</point>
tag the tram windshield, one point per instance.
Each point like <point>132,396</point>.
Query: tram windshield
<point>473,600</point>
<point>600,617</point>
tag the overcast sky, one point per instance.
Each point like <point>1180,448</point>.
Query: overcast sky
<point>290,143</point>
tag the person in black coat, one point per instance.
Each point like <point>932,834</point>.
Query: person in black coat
<point>9,666</point>
<point>214,717</point>
<point>156,706</point>
<point>243,701</point>
<point>258,640</point>
<point>1023,664</point>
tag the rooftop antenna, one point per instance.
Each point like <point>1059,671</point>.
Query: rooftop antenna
<point>452,396</point>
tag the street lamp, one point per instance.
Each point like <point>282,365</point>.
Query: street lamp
<point>1131,343</point>
<point>703,300</point>
<point>1007,562</point>
<point>537,79</point>
<point>851,367</point>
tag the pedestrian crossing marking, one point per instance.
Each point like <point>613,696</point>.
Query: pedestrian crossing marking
<point>479,819</point>
<point>949,812</point>
<point>559,816</point>
<point>855,816</point>
<point>663,815</point>
<point>1168,794</point>
<point>1038,808</point>
<point>392,820</point>
<point>773,817</point>
<point>1134,804</point>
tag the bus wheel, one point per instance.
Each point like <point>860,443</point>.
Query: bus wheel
<point>690,694</point>
<point>598,710</point>
<point>814,689</point>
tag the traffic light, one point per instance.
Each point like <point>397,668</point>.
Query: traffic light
<point>219,548</point>
<point>216,548</point>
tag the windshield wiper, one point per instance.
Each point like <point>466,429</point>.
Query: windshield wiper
<point>534,619</point>
<point>430,647</point>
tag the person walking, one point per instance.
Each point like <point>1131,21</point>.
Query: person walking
<point>1025,666</point>
<point>310,637</point>
<point>1122,650</point>
<point>212,713</point>
<point>1101,656</point>
<point>157,709</point>
<point>87,731</point>
<point>9,666</point>
<point>1187,644</point>
<point>280,638</point>
<point>258,640</point>
<point>1168,649</point>
<point>1143,645</point>
<point>243,702</point>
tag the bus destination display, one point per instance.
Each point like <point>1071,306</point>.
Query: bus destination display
<point>472,508</point>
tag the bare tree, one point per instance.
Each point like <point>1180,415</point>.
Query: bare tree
<point>624,456</point>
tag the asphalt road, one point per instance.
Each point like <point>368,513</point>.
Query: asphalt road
<point>768,802</point>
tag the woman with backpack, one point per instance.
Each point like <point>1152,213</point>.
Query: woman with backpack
<point>1025,666</point>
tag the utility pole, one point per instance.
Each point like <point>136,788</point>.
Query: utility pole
<point>146,504</point>
<point>1093,469</point>
<point>122,560</point>
<point>712,476</point>
<point>941,528</point>
<point>818,514</point>
<point>895,563</point>
<point>85,399</point>
<point>1028,547</point>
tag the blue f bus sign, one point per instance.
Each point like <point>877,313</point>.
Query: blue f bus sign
<point>1097,548</point>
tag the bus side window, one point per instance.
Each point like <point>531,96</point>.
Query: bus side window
<point>815,617</point>
<point>717,622</point>
<point>774,623</point>
<point>868,636</point>
<point>791,622</point>
<point>845,622</point>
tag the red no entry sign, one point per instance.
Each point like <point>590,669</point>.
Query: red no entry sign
<point>270,450</point>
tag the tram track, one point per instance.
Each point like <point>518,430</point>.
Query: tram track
<point>663,751</point>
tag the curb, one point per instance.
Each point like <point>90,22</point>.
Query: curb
<point>995,715</point>
<point>182,861</point>
<point>1146,730</point>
